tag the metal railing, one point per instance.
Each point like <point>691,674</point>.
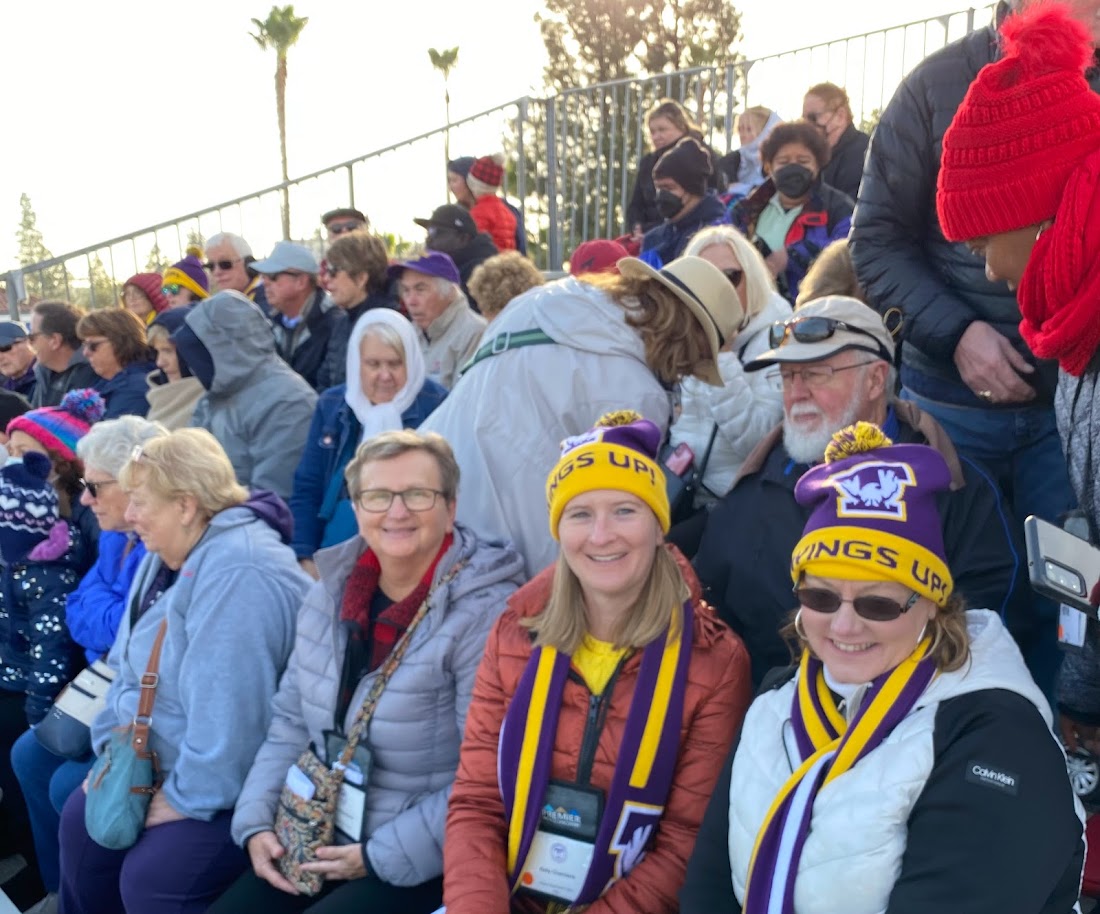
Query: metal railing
<point>571,159</point>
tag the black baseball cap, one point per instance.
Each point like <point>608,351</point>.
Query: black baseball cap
<point>345,212</point>
<point>450,215</point>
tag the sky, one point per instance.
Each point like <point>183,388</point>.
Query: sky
<point>125,113</point>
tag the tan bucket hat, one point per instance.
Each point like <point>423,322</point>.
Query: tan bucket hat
<point>708,295</point>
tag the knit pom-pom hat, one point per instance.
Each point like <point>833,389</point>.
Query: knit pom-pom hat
<point>28,506</point>
<point>59,428</point>
<point>486,175</point>
<point>620,452</point>
<point>189,273</point>
<point>873,514</point>
<point>1027,121</point>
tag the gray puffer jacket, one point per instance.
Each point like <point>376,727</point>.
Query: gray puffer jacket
<point>417,727</point>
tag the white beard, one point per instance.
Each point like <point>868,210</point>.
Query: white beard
<point>809,446</point>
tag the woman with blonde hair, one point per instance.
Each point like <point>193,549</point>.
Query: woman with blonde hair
<point>743,168</point>
<point>738,414</point>
<point>607,695</point>
<point>560,356</point>
<point>909,754</point>
<point>498,280</point>
<point>222,583</point>
<point>668,123</point>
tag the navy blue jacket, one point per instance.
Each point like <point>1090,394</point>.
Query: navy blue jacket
<point>320,504</point>
<point>306,347</point>
<point>124,394</point>
<point>667,241</point>
<point>24,384</point>
<point>93,610</point>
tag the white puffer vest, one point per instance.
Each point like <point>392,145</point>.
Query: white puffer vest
<point>852,856</point>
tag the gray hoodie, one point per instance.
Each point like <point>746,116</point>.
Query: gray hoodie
<point>231,616</point>
<point>417,727</point>
<point>257,407</point>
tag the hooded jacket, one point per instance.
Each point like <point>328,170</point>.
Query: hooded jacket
<point>744,557</point>
<point>310,346</point>
<point>257,407</point>
<point>963,809</point>
<point>899,252</point>
<point>230,615</point>
<point>418,722</point>
<point>716,696</point>
<point>508,416</point>
<point>744,410</point>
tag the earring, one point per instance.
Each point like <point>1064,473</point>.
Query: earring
<point>798,627</point>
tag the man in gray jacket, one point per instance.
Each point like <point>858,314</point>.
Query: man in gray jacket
<point>257,407</point>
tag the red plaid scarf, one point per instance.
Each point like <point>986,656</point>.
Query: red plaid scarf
<point>389,626</point>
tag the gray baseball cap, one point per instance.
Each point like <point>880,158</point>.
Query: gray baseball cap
<point>848,324</point>
<point>286,255</point>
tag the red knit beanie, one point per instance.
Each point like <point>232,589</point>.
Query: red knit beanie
<point>150,284</point>
<point>1027,121</point>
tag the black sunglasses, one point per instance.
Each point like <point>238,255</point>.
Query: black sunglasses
<point>870,607</point>
<point>340,228</point>
<point>7,347</point>
<point>93,488</point>
<point>811,330</point>
<point>734,276</point>
<point>211,265</point>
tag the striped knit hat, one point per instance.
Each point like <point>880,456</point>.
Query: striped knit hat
<point>59,428</point>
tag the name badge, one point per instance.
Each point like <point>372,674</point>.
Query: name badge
<point>351,804</point>
<point>563,846</point>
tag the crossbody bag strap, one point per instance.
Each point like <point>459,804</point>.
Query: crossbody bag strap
<point>389,667</point>
<point>149,681</point>
<point>505,341</point>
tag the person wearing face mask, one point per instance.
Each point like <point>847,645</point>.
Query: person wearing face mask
<point>827,107</point>
<point>684,200</point>
<point>794,215</point>
<point>906,762</point>
<point>742,168</point>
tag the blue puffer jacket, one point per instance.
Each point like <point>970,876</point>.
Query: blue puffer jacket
<point>825,218</point>
<point>124,394</point>
<point>93,610</point>
<point>320,505</point>
<point>667,241</point>
<point>37,654</point>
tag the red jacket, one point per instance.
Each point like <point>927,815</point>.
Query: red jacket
<point>495,219</point>
<point>717,696</point>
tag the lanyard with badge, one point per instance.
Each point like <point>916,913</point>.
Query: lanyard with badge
<point>348,759</point>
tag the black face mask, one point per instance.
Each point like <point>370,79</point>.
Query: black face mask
<point>793,180</point>
<point>668,204</point>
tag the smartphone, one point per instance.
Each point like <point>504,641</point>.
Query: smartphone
<point>681,459</point>
<point>1061,566</point>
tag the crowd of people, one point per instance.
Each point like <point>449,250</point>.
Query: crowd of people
<point>691,581</point>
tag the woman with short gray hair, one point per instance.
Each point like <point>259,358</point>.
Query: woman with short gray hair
<point>92,613</point>
<point>387,389</point>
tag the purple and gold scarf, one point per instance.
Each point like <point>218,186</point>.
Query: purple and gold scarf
<point>828,747</point>
<point>645,762</point>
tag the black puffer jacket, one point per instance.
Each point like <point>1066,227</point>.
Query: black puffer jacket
<point>902,259</point>
<point>845,166</point>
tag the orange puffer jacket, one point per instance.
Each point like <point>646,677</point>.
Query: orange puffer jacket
<point>717,697</point>
<point>491,216</point>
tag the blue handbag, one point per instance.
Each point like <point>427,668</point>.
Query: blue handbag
<point>125,776</point>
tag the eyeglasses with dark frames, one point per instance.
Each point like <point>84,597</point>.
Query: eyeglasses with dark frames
<point>92,488</point>
<point>871,607</point>
<point>378,501</point>
<point>212,265</point>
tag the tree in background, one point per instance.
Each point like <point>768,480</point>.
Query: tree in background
<point>156,261</point>
<point>51,282</point>
<point>280,32</point>
<point>444,62</point>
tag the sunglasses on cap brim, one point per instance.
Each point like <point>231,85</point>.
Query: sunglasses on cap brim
<point>815,330</point>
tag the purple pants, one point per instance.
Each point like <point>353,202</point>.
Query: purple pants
<point>175,868</point>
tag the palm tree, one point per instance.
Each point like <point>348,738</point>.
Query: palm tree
<point>444,62</point>
<point>280,30</point>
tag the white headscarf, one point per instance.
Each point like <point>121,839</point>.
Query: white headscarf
<point>383,417</point>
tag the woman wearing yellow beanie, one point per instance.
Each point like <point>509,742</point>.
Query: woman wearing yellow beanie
<point>605,701</point>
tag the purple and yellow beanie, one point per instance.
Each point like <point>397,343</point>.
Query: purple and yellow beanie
<point>619,453</point>
<point>190,274</point>
<point>59,428</point>
<point>874,514</point>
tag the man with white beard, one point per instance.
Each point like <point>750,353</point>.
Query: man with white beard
<point>835,358</point>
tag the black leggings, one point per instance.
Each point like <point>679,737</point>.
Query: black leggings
<point>251,894</point>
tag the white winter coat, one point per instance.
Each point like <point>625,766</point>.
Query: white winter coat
<point>507,416</point>
<point>745,410</point>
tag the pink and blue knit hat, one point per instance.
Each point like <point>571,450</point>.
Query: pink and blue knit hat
<point>59,428</point>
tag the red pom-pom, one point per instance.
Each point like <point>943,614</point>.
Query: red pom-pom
<point>1045,38</point>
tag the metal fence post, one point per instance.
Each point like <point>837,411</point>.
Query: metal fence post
<point>970,14</point>
<point>553,231</point>
<point>521,167</point>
